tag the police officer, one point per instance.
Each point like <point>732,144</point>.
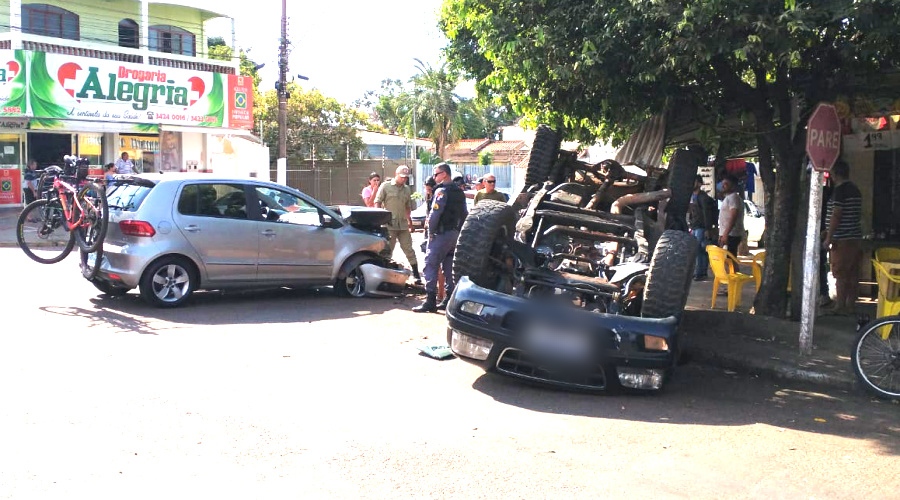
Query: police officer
<point>448,211</point>
<point>396,197</point>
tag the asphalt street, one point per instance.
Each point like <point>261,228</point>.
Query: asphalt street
<point>296,393</point>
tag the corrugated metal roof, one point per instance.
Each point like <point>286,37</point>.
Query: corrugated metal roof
<point>644,147</point>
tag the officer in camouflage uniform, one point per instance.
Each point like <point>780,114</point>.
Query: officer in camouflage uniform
<point>448,211</point>
<point>396,197</point>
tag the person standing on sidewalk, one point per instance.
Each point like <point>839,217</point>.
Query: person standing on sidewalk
<point>30,180</point>
<point>396,197</point>
<point>731,217</point>
<point>702,221</point>
<point>124,165</point>
<point>371,189</point>
<point>489,191</point>
<point>842,237</point>
<point>448,211</point>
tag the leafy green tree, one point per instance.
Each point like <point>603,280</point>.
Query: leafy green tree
<point>485,158</point>
<point>432,105</point>
<point>217,49</point>
<point>738,68</point>
<point>317,125</point>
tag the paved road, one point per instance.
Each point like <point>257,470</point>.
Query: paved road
<point>290,394</point>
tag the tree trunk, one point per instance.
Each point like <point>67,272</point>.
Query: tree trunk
<point>782,214</point>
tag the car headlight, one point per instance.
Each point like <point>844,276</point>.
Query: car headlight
<point>470,307</point>
<point>653,343</point>
<point>640,378</point>
<point>469,346</point>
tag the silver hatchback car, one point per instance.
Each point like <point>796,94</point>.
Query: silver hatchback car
<point>172,234</point>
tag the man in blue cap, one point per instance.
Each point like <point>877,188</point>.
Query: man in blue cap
<point>448,211</point>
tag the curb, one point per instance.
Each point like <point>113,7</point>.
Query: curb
<point>773,369</point>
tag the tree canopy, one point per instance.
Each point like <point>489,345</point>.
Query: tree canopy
<point>739,69</point>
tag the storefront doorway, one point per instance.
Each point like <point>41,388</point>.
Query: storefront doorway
<point>49,149</point>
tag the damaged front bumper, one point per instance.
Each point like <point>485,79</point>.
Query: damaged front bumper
<point>385,281</point>
<point>559,345</point>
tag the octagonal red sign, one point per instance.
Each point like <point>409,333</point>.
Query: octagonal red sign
<point>823,137</point>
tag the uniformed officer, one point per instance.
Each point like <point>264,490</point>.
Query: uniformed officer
<point>448,211</point>
<point>396,197</point>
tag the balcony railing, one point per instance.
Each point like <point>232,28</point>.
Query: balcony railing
<point>114,53</point>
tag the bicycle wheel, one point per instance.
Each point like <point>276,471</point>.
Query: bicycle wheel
<point>876,357</point>
<point>41,232</point>
<point>95,218</point>
<point>90,263</point>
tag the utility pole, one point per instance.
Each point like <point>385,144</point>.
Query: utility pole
<point>282,89</point>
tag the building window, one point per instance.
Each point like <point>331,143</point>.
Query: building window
<point>47,20</point>
<point>172,39</point>
<point>128,34</point>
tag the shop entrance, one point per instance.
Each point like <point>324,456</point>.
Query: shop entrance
<point>49,149</point>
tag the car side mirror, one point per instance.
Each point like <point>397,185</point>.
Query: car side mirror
<point>328,221</point>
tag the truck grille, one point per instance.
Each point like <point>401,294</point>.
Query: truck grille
<point>518,363</point>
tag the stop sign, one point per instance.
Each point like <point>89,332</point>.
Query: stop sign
<point>823,137</point>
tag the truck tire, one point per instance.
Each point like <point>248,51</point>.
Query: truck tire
<point>543,155</point>
<point>670,274</point>
<point>682,172</point>
<point>483,245</point>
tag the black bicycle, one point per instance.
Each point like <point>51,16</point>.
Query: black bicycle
<point>876,357</point>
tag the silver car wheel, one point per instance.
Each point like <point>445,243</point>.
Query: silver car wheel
<point>171,283</point>
<point>355,283</point>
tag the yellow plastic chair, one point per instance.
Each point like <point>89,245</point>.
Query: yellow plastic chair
<point>888,288</point>
<point>756,267</point>
<point>722,263</point>
<point>887,254</point>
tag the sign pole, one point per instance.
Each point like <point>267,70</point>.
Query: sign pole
<point>823,146</point>
<point>811,262</point>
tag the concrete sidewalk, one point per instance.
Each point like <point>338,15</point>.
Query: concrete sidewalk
<point>733,340</point>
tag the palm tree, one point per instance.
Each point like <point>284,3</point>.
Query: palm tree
<point>432,106</point>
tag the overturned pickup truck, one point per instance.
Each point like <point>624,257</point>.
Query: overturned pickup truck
<point>581,281</point>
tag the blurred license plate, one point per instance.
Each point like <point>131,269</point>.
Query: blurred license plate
<point>558,342</point>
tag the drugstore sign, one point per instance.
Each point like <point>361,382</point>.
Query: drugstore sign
<point>55,86</point>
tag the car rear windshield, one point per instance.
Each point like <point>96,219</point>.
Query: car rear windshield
<point>127,196</point>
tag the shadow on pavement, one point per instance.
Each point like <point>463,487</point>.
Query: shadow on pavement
<point>281,305</point>
<point>702,395</point>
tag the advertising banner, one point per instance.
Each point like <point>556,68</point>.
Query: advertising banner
<point>73,88</point>
<point>10,186</point>
<point>240,101</point>
<point>12,83</point>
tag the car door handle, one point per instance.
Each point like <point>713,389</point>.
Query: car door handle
<point>269,233</point>
<point>193,228</point>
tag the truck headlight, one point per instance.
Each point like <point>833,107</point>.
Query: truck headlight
<point>470,307</point>
<point>654,343</point>
<point>640,378</point>
<point>469,346</point>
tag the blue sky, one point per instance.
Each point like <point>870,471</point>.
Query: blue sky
<point>345,47</point>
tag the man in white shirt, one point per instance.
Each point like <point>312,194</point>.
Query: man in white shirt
<point>124,165</point>
<point>731,216</point>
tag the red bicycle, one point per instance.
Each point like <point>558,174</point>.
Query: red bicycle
<point>73,209</point>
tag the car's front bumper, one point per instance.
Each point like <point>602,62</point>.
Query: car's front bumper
<point>575,349</point>
<point>384,281</point>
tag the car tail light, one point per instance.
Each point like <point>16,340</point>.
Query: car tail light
<point>136,228</point>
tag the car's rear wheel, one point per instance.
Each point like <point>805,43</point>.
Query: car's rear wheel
<point>354,284</point>
<point>682,172</point>
<point>544,152</point>
<point>482,250</point>
<point>168,282</point>
<point>669,276</point>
